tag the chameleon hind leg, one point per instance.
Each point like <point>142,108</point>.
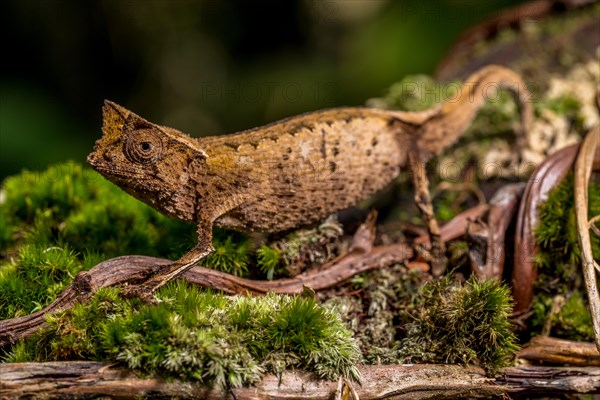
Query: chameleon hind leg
<point>447,123</point>
<point>425,206</point>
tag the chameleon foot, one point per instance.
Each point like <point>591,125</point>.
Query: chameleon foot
<point>141,291</point>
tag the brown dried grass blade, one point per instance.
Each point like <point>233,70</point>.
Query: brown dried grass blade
<point>583,172</point>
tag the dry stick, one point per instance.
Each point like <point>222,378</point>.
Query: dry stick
<point>130,269</point>
<point>583,171</point>
<point>560,351</point>
<point>503,207</point>
<point>75,379</point>
<point>457,226</point>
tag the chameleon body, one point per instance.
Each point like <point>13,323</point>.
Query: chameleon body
<point>283,175</point>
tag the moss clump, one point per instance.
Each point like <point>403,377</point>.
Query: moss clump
<point>558,262</point>
<point>232,253</point>
<point>301,249</point>
<point>462,324</point>
<point>199,335</point>
<point>70,204</point>
<point>556,233</point>
<point>39,274</point>
<point>269,261</point>
<point>377,305</point>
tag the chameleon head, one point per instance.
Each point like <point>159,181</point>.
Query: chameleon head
<point>144,159</point>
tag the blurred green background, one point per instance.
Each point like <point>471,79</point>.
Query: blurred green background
<point>203,66</point>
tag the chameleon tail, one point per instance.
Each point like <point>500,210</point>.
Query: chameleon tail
<point>455,115</point>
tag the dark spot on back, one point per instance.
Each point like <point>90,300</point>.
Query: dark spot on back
<point>234,146</point>
<point>323,146</point>
<point>332,166</point>
<point>374,142</point>
<point>336,151</point>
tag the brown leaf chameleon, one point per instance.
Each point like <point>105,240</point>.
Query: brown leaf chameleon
<point>286,174</point>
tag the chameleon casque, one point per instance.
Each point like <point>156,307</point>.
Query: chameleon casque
<point>290,173</point>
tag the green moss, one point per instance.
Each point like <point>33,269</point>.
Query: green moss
<point>269,261</point>
<point>36,278</point>
<point>496,118</point>
<point>70,204</point>
<point>564,105</point>
<point>556,232</point>
<point>58,222</point>
<point>462,324</point>
<point>199,335</point>
<point>558,262</point>
<point>574,320</point>
<point>232,253</point>
<point>421,92</point>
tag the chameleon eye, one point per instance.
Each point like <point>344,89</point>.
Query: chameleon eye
<point>146,146</point>
<point>143,146</point>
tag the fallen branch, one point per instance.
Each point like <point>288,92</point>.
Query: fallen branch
<point>560,351</point>
<point>457,226</point>
<point>129,269</point>
<point>416,381</point>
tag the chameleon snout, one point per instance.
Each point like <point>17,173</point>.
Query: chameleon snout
<point>92,159</point>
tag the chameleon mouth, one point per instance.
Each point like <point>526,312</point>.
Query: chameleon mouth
<point>116,174</point>
<point>111,171</point>
<point>92,160</point>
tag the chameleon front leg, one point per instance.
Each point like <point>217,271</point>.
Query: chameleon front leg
<point>161,276</point>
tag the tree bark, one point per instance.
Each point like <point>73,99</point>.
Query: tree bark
<point>54,380</point>
<point>560,351</point>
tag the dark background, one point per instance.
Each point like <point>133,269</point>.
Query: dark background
<point>203,66</point>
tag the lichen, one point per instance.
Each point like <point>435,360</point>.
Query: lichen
<point>303,248</point>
